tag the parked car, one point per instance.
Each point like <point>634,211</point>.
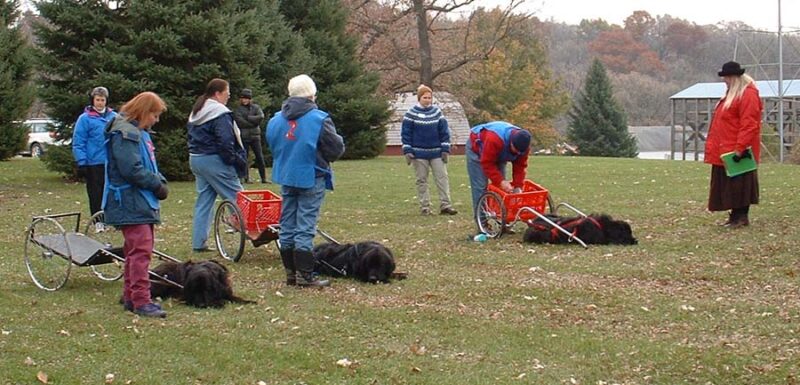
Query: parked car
<point>39,137</point>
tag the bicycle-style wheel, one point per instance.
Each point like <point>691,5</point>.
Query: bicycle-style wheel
<point>112,239</point>
<point>491,214</point>
<point>47,254</point>
<point>229,231</point>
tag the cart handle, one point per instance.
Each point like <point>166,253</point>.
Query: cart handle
<point>76,214</point>
<point>555,226</point>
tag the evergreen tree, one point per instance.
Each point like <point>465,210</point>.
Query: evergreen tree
<point>598,126</point>
<point>16,96</point>
<point>346,90</point>
<point>171,47</point>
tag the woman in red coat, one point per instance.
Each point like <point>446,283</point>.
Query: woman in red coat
<point>736,126</point>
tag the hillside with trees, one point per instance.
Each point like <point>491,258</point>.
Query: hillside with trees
<point>648,58</point>
<point>501,63</point>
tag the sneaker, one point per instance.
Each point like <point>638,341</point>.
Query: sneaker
<point>425,211</point>
<point>448,211</point>
<point>203,249</point>
<point>150,310</point>
<point>99,227</point>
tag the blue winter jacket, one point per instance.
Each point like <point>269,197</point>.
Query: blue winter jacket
<point>89,137</point>
<point>132,176</point>
<point>216,136</point>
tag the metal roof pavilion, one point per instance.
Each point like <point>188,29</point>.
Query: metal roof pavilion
<point>692,110</point>
<point>766,89</point>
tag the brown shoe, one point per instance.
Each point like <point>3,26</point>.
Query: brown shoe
<point>448,211</point>
<point>739,223</point>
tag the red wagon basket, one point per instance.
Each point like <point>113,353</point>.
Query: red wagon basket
<point>532,195</point>
<point>260,209</point>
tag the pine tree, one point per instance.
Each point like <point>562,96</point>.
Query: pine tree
<point>346,90</point>
<point>16,93</point>
<point>171,47</point>
<point>598,126</point>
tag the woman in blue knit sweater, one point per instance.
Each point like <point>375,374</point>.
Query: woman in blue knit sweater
<point>426,145</point>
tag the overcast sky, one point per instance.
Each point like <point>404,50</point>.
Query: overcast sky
<point>761,14</point>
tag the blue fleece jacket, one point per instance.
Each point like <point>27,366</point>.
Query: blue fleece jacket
<point>89,137</point>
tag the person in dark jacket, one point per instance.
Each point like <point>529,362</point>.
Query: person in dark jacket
<point>88,147</point>
<point>304,142</point>
<point>132,193</point>
<point>490,146</point>
<point>735,127</point>
<point>426,146</point>
<point>216,157</point>
<point>248,117</point>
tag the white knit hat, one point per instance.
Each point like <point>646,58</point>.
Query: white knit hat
<point>302,86</point>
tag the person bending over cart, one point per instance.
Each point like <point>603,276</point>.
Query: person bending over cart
<point>303,141</point>
<point>132,190</point>
<point>490,146</point>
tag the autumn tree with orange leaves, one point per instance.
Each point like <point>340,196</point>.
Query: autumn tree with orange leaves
<point>621,53</point>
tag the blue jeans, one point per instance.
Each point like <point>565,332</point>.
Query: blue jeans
<point>299,215</point>
<point>478,182</point>
<point>212,177</point>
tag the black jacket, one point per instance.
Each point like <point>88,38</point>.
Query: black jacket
<point>249,119</point>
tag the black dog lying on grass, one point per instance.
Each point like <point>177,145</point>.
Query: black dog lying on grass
<point>595,229</point>
<point>205,283</point>
<point>365,261</point>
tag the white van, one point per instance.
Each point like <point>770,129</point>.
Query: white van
<point>39,136</point>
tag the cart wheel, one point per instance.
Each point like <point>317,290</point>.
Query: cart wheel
<point>48,268</point>
<point>111,237</point>
<point>491,214</point>
<point>229,231</point>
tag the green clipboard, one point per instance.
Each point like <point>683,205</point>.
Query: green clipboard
<point>744,165</point>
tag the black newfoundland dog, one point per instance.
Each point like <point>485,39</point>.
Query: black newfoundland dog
<point>595,229</point>
<point>205,283</point>
<point>365,261</point>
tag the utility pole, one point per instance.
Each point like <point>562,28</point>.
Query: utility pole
<point>780,80</point>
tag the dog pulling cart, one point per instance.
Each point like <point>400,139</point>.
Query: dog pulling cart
<point>255,216</point>
<point>51,251</point>
<point>498,210</point>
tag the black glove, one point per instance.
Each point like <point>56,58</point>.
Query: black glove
<point>746,154</point>
<point>445,156</point>
<point>162,192</point>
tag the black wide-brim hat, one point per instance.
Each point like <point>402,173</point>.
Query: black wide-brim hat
<point>731,68</point>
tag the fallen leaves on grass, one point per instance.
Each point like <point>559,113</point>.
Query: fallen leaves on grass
<point>42,377</point>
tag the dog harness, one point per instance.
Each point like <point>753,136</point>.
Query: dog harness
<point>574,223</point>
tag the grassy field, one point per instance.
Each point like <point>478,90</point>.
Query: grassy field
<point>692,303</point>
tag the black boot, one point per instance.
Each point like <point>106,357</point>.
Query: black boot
<point>287,256</point>
<point>304,261</point>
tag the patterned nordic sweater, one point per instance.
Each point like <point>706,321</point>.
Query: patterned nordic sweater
<point>425,132</point>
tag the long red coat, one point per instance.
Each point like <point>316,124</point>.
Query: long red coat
<point>735,128</point>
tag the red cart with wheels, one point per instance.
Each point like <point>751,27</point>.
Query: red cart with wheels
<point>498,210</point>
<point>255,215</point>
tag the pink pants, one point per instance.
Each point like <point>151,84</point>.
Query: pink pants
<point>138,248</point>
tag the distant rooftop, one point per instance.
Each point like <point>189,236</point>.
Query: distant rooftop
<point>766,89</point>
